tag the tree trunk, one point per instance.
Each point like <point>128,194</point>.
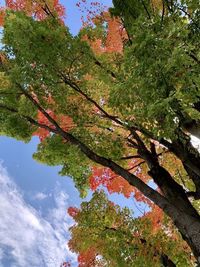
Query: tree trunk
<point>187,222</point>
<point>183,216</point>
<point>172,190</point>
<point>188,225</point>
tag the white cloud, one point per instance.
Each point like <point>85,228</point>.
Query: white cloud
<point>40,196</point>
<point>27,238</point>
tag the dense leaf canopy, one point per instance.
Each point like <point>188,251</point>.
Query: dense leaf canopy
<point>107,235</point>
<point>115,105</point>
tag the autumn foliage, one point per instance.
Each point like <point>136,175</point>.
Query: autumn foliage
<point>115,36</point>
<point>102,228</point>
<point>107,106</point>
<point>87,258</point>
<point>65,121</point>
<point>38,8</point>
<point>73,211</point>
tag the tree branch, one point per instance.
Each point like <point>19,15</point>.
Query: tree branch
<point>177,214</point>
<point>78,89</point>
<point>193,56</point>
<point>163,12</point>
<point>99,64</point>
<point>130,157</point>
<point>148,14</point>
<point>133,180</point>
<point>28,118</point>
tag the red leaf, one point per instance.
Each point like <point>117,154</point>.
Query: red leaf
<point>73,211</point>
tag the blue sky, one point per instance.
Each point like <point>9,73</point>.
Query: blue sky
<point>34,198</point>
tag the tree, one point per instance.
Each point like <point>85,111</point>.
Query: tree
<point>104,233</point>
<point>140,104</point>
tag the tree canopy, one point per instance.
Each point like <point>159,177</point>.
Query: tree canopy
<point>115,105</point>
<point>106,235</point>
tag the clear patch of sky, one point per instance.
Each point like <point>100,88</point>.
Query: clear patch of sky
<point>2,3</point>
<point>30,175</point>
<point>73,13</point>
